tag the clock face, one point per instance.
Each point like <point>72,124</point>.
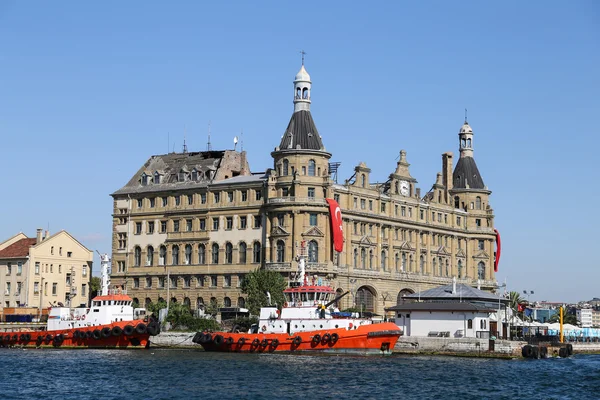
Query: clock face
<point>404,188</point>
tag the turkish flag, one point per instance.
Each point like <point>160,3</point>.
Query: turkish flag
<point>337,227</point>
<point>521,308</point>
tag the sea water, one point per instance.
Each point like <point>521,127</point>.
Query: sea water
<point>195,374</point>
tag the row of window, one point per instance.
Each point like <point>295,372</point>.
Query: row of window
<point>36,288</point>
<point>187,281</point>
<point>196,224</point>
<point>60,251</point>
<point>182,176</point>
<point>193,199</point>
<point>440,266</point>
<point>38,268</point>
<point>285,169</point>
<point>199,302</point>
<point>196,255</point>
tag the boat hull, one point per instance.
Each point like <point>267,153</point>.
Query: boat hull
<point>122,335</point>
<point>366,339</point>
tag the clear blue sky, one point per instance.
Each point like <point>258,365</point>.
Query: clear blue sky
<point>88,91</point>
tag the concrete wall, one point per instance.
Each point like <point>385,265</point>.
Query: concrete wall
<point>417,345</point>
<point>420,323</point>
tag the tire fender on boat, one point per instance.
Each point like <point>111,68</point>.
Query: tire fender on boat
<point>334,338</point>
<point>255,342</point>
<point>326,338</point>
<point>218,340</point>
<point>297,340</point>
<point>316,339</point>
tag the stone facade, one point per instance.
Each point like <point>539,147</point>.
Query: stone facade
<point>202,220</point>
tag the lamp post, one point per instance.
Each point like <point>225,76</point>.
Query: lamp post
<point>499,320</point>
<point>527,293</point>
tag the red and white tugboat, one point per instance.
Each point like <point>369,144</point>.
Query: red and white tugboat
<point>108,323</point>
<point>306,324</point>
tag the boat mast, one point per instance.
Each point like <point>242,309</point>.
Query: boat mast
<point>104,266</point>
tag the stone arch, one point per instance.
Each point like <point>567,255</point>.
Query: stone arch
<point>187,302</point>
<point>366,298</point>
<point>404,292</point>
<point>147,302</point>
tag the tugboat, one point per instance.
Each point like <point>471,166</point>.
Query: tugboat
<point>108,323</point>
<point>306,324</point>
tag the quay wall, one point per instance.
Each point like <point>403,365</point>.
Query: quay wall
<point>424,345</point>
<point>173,339</point>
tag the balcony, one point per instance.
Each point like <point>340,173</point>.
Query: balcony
<point>289,267</point>
<point>304,200</point>
<point>182,236</point>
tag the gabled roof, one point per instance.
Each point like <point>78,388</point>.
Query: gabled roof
<point>301,133</point>
<point>466,174</point>
<point>19,249</point>
<point>464,292</point>
<point>448,306</point>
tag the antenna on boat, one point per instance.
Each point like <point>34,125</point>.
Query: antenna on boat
<point>104,273</point>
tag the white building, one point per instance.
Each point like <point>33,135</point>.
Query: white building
<point>584,317</point>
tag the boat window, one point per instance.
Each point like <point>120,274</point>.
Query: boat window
<point>311,297</point>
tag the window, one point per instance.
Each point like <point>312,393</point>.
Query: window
<point>150,227</point>
<point>37,268</point>
<point>60,251</point>
<point>256,253</point>
<point>136,283</point>
<point>242,252</point>
<point>215,253</point>
<point>459,267</point>
<point>188,225</point>
<point>311,192</point>
<point>313,219</point>
<point>152,202</point>
<point>478,222</point>
<point>177,200</point>
<point>138,228</point>
<point>280,219</point>
<point>186,281</point>
<point>470,324</point>
<point>175,255</point>
<point>355,202</point>
<point>286,166</point>
<point>194,175</point>
<point>54,288</point>
<point>217,197</point>
<point>201,254</point>
<point>311,167</point>
<point>458,221</point>
<point>202,198</point>
<point>227,281</point>
<point>148,282</point>
<point>403,211</point>
<point>258,195</point>
<point>161,282</point>
<point>52,250</point>
<point>363,204</point>
<point>140,202</point>
<point>228,253</point>
<point>410,212</point>
<point>19,268</point>
<point>213,280</point>
<point>163,226</point>
<point>137,258</point>
<point>226,301</point>
<point>478,203</point>
<point>165,201</point>
<point>243,222</point>
<point>188,254</point>
<point>190,199</point>
<point>481,270</point>
<point>244,195</point>
<point>445,218</point>
<point>480,244</point>
<point>370,259</point>
<point>313,251</point>
<point>202,224</point>
<point>280,251</point>
<point>230,197</point>
<point>173,282</point>
<point>383,259</point>
<point>370,205</point>
<point>215,221</point>
<point>149,256</point>
<point>257,221</point>
<point>176,226</point>
<point>229,223</point>
<point>422,214</point>
<point>162,255</point>
<point>383,207</point>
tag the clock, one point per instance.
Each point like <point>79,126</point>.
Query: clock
<point>404,188</point>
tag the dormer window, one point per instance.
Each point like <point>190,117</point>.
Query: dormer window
<point>181,176</point>
<point>144,179</point>
<point>194,175</point>
<point>156,177</point>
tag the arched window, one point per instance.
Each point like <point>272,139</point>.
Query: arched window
<point>383,259</point>
<point>280,251</point>
<point>447,268</point>
<point>228,253</point>
<point>365,299</point>
<point>150,256</point>
<point>313,251</point>
<point>156,177</point>
<point>242,252</point>
<point>371,259</point>
<point>187,302</point>
<point>241,302</point>
<point>403,262</point>
<point>188,254</point>
<point>434,266</point>
<point>355,258</point>
<point>400,299</point>
<point>256,252</point>
<point>460,268</point>
<point>194,175</point>
<point>201,254</point>
<point>363,258</point>
<point>137,256</point>
<point>144,179</point>
<point>311,167</point>
<point>363,180</point>
<point>470,324</point>
<point>286,167</point>
<point>305,93</point>
<point>456,202</point>
<point>215,253</point>
<point>481,270</point>
<point>397,262</point>
<point>162,255</point>
<point>469,143</point>
<point>298,92</point>
<point>199,303</point>
<point>226,302</point>
<point>175,258</point>
<point>147,303</point>
<point>478,203</point>
<point>422,265</point>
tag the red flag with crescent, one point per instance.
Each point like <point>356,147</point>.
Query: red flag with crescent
<point>337,227</point>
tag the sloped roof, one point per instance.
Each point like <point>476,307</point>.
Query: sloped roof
<point>18,249</point>
<point>466,174</point>
<point>448,306</point>
<point>301,133</point>
<point>464,292</point>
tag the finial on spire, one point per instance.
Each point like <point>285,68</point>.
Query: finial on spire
<point>303,53</point>
<point>465,115</point>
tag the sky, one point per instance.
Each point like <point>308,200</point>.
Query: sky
<point>90,90</point>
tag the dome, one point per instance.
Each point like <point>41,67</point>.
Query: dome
<point>466,128</point>
<point>302,75</point>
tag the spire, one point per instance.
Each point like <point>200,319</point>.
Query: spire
<point>302,86</point>
<point>466,174</point>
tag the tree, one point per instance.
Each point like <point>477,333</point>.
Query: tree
<point>515,300</point>
<point>257,283</point>
<point>568,318</point>
<point>95,284</point>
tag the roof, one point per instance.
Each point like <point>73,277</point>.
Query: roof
<point>466,128</point>
<point>302,75</point>
<point>116,297</point>
<point>18,249</point>
<point>243,179</point>
<point>301,133</point>
<point>463,292</point>
<point>466,174</point>
<point>433,306</point>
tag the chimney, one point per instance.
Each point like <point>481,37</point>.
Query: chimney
<point>47,235</point>
<point>447,170</point>
<point>38,235</point>
<point>454,285</point>
<point>418,191</point>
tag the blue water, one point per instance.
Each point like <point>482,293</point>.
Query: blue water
<point>193,374</point>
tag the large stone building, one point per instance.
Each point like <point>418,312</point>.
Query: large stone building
<point>202,220</point>
<point>47,269</point>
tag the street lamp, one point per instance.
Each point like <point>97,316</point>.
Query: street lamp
<point>527,293</point>
<point>499,319</point>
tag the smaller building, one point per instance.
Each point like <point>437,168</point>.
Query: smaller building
<point>450,311</point>
<point>584,317</point>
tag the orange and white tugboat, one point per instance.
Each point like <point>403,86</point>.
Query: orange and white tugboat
<point>108,323</point>
<point>306,324</point>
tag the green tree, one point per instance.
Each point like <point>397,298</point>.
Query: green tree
<point>257,283</point>
<point>95,284</point>
<point>567,318</point>
<point>515,300</point>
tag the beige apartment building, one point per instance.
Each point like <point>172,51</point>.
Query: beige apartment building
<point>193,223</point>
<point>48,269</point>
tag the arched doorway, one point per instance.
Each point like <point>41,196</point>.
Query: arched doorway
<point>366,299</point>
<point>404,292</point>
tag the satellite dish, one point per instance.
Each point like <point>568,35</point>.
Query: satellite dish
<point>235,140</point>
